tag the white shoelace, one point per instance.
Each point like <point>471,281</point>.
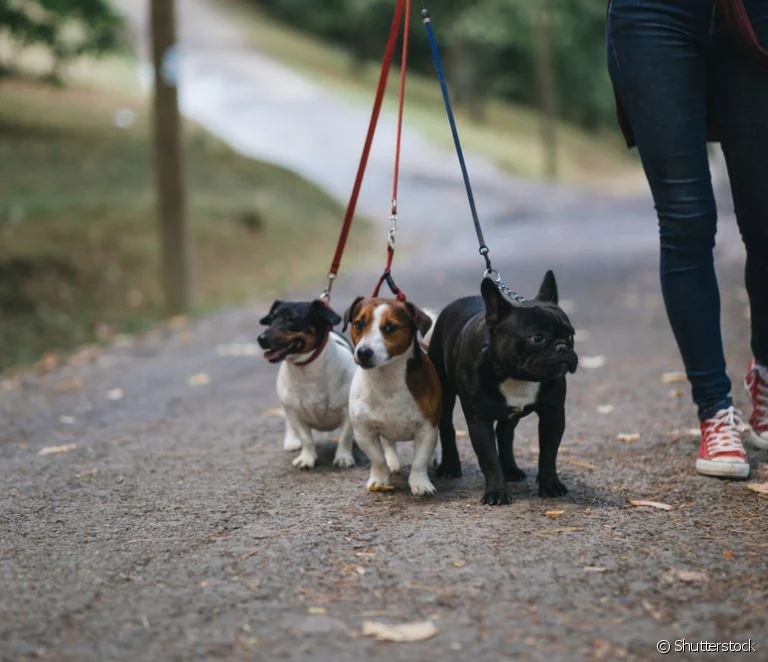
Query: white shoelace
<point>724,432</point>
<point>761,396</point>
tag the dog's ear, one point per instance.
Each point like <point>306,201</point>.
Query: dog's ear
<point>496,305</point>
<point>351,312</point>
<point>267,319</point>
<point>322,312</point>
<point>420,318</point>
<point>548,289</point>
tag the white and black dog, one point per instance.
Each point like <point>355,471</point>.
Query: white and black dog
<point>314,377</point>
<point>395,393</point>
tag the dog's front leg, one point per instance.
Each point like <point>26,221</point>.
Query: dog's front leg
<point>390,452</point>
<point>505,437</point>
<point>551,429</point>
<point>450,464</point>
<point>291,441</point>
<point>484,443</point>
<point>344,457</point>
<point>423,448</point>
<point>308,456</point>
<point>370,444</point>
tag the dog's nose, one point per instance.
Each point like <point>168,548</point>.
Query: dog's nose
<point>364,354</point>
<point>263,339</point>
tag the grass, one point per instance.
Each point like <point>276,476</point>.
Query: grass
<point>508,135</point>
<point>78,239</point>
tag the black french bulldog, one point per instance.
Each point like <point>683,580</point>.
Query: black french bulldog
<point>504,360</point>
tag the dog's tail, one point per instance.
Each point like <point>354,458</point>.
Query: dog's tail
<point>433,316</point>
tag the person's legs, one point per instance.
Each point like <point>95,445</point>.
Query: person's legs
<point>740,104</point>
<point>658,55</point>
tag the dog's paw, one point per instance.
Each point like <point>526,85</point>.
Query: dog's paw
<point>421,486</point>
<point>305,460</point>
<point>291,444</point>
<point>552,487</point>
<point>379,482</point>
<point>496,498</point>
<point>514,474</point>
<point>449,469</point>
<point>343,460</point>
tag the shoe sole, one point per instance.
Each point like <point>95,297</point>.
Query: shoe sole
<point>755,439</point>
<point>722,469</point>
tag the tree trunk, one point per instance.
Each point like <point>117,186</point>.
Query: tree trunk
<point>169,165</point>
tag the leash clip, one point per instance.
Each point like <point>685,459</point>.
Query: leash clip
<point>392,227</point>
<point>325,295</point>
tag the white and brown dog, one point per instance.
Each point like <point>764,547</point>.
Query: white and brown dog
<point>395,392</point>
<point>314,377</point>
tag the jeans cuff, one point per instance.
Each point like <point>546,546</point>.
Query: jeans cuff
<point>708,411</point>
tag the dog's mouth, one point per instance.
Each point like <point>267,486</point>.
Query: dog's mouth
<point>277,354</point>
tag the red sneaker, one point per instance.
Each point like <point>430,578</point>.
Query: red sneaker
<point>756,383</point>
<point>721,452</point>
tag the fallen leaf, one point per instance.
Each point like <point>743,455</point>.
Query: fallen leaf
<point>8,385</point>
<point>115,394</point>
<point>729,554</point>
<point>686,576</point>
<point>628,437</point>
<point>554,513</point>
<point>592,362</point>
<point>177,322</point>
<point>651,504</point>
<point>318,611</point>
<point>200,379</point>
<point>673,377</point>
<point>760,488</point>
<point>275,412</point>
<point>656,614</point>
<point>604,409</point>
<point>87,474</point>
<point>48,363</point>
<point>459,563</point>
<point>67,420</point>
<point>53,450</point>
<point>592,568</point>
<point>68,385</point>
<point>676,393</point>
<point>399,633</point>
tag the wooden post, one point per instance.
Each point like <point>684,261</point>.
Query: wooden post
<point>547,94</point>
<point>169,163</point>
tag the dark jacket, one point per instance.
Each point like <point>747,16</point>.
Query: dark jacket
<point>737,18</point>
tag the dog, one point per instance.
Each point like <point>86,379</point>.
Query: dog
<point>314,377</point>
<point>504,360</point>
<point>395,391</point>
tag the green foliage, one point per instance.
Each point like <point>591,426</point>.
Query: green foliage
<point>490,47</point>
<point>68,28</point>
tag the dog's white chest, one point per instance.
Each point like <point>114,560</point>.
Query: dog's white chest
<point>519,394</point>
<point>385,407</point>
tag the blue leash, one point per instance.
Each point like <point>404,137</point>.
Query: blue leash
<point>484,251</point>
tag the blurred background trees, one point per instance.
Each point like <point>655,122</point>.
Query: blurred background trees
<point>491,47</point>
<point>66,28</point>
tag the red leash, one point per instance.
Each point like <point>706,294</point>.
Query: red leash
<point>352,204</point>
<point>387,276</point>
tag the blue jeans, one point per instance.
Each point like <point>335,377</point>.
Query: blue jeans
<point>672,62</point>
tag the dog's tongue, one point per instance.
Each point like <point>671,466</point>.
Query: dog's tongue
<point>272,354</point>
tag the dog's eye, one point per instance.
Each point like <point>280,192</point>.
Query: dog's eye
<point>360,325</point>
<point>538,339</point>
<point>389,328</point>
